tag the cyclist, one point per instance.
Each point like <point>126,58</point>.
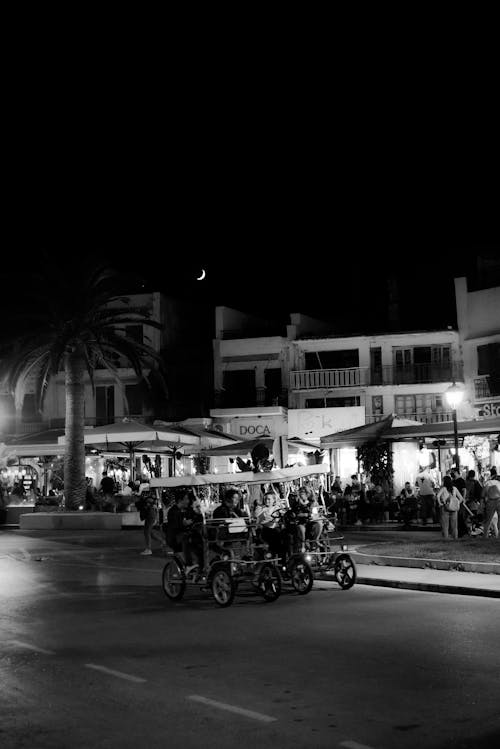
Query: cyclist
<point>180,532</point>
<point>306,524</point>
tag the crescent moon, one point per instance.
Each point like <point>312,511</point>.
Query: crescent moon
<point>203,274</point>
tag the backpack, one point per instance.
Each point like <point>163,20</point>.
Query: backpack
<point>452,503</point>
<point>493,490</point>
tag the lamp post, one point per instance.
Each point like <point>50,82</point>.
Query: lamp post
<point>454,396</point>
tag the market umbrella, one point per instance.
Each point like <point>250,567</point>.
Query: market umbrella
<point>133,435</point>
<point>365,433</point>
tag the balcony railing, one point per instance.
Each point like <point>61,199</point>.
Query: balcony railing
<point>317,379</point>
<point>424,418</point>
<point>486,387</point>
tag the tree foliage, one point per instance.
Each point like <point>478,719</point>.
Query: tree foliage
<point>377,461</point>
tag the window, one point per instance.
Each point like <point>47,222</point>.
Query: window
<point>344,359</point>
<point>134,399</point>
<point>377,405</point>
<point>488,359</point>
<point>376,365</point>
<point>315,402</point>
<point>488,363</point>
<point>105,404</point>
<point>425,407</point>
<point>239,386</point>
<point>422,364</point>
<point>273,386</point>
<point>347,402</point>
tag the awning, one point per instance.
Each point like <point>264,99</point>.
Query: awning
<point>37,444</point>
<point>392,429</point>
<point>445,428</point>
<point>132,433</point>
<point>248,477</point>
<point>358,435</point>
<point>245,447</point>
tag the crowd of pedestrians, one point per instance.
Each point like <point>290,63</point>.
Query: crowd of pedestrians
<point>463,505</point>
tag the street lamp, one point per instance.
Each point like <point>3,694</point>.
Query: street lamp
<point>454,396</point>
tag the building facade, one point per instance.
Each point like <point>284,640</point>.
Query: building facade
<point>183,342</point>
<point>326,382</point>
<point>478,316</point>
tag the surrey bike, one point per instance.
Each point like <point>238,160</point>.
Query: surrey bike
<point>233,554</point>
<point>230,561</point>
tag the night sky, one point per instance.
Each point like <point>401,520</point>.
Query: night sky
<point>276,231</point>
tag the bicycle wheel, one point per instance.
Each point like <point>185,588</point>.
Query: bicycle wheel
<point>344,571</point>
<point>269,582</point>
<point>174,579</point>
<point>223,587</point>
<point>301,576</point>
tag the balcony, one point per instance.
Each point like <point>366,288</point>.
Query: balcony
<point>486,387</point>
<point>434,417</point>
<point>318,379</point>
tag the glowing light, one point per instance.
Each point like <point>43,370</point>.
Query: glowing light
<point>203,274</point>
<point>454,396</point>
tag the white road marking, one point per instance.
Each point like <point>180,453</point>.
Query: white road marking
<point>31,647</point>
<point>354,745</point>
<point>232,709</point>
<point>119,674</point>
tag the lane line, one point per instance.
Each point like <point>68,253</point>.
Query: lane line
<point>27,646</point>
<point>112,672</point>
<point>354,745</point>
<point>232,709</point>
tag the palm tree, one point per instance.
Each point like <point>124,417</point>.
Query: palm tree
<point>75,328</point>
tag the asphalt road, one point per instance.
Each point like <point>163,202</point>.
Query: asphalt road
<point>93,654</point>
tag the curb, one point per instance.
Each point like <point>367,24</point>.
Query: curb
<point>429,587</point>
<point>490,568</point>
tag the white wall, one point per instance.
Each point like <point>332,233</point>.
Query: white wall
<point>478,315</point>
<point>386,342</point>
<point>312,423</point>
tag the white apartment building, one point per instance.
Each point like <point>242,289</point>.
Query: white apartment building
<point>401,373</point>
<point>327,382</point>
<point>250,375</point>
<point>478,316</point>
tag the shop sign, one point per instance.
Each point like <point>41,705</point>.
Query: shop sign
<point>313,423</point>
<point>492,408</point>
<point>253,428</point>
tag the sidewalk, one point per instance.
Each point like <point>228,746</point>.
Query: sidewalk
<point>435,581</point>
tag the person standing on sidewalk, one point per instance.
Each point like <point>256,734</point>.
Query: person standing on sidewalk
<point>449,499</point>
<point>148,508</point>
<point>491,495</point>
<point>425,488</point>
<point>461,485</point>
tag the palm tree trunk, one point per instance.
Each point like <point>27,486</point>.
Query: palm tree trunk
<point>74,458</point>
